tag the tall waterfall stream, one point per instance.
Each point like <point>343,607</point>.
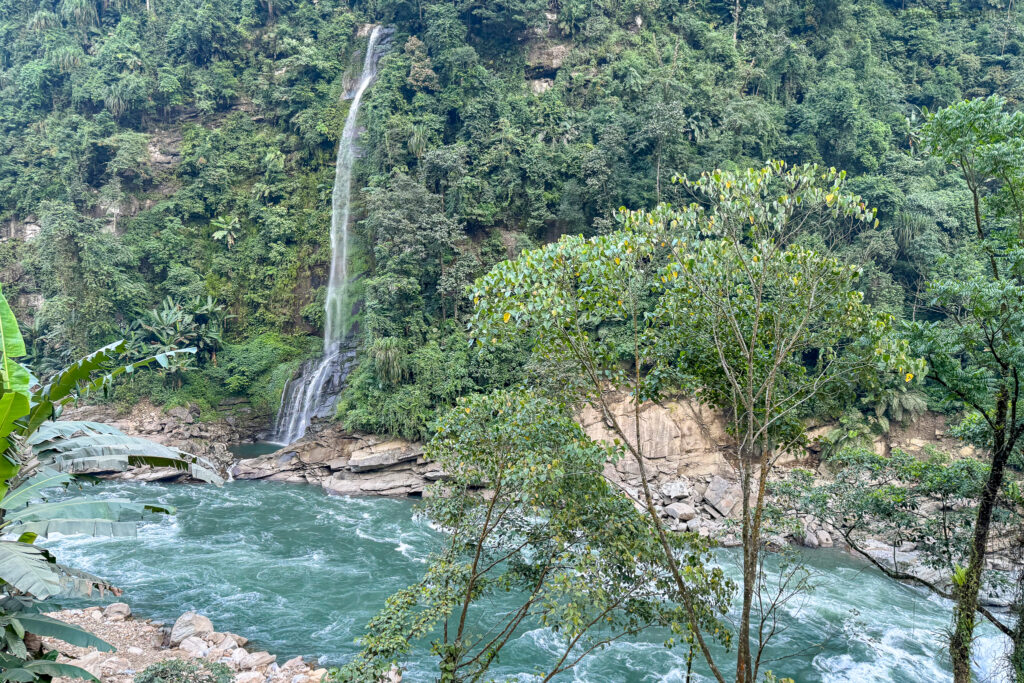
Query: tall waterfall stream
<point>313,392</point>
<point>301,573</point>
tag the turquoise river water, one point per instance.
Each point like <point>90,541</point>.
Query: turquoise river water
<point>300,573</point>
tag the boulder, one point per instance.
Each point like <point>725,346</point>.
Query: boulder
<point>236,657</point>
<point>117,611</point>
<point>294,663</point>
<point>811,540</point>
<point>92,662</point>
<point>195,646</point>
<point>241,640</point>
<point>190,624</point>
<point>723,495</point>
<point>824,538</point>
<point>116,665</point>
<point>693,524</point>
<point>386,454</point>
<point>681,511</point>
<point>676,490</point>
<point>250,677</point>
<point>254,660</point>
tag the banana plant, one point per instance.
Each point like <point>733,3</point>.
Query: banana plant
<point>39,454</point>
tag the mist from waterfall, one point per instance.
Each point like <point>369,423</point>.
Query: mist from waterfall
<point>314,391</point>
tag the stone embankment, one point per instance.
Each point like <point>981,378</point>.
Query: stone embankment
<point>140,643</point>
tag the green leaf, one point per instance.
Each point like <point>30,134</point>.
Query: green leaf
<point>46,478</point>
<point>47,668</point>
<point>43,625</point>
<point>28,570</point>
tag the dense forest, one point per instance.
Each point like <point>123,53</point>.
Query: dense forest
<point>167,167</point>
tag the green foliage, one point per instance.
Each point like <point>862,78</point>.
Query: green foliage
<point>185,671</point>
<point>898,498</point>
<point>976,348</point>
<point>37,454</point>
<point>548,528</point>
<point>186,149</point>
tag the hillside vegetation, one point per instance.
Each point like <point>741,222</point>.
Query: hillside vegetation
<point>178,158</point>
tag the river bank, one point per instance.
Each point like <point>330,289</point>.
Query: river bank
<point>140,643</point>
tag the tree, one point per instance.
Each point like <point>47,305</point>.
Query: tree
<point>526,509</point>
<point>976,348</point>
<point>718,299</point>
<point>930,502</point>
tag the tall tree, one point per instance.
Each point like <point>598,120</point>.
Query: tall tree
<point>976,350</point>
<point>718,299</point>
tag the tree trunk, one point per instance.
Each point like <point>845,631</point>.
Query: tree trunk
<point>966,594</point>
<point>752,520</point>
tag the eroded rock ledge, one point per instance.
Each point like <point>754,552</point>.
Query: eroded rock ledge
<point>346,464</point>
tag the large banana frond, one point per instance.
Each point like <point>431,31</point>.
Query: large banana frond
<point>102,448</point>
<point>29,490</point>
<point>28,569</point>
<point>42,625</point>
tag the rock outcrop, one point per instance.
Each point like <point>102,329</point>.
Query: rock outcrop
<point>346,464</point>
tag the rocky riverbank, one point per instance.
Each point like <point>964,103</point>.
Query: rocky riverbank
<point>140,643</point>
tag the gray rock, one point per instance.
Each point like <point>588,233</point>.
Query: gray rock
<point>117,611</point>
<point>693,524</point>
<point>723,495</point>
<point>681,511</point>
<point>254,660</point>
<point>250,677</point>
<point>190,624</point>
<point>810,540</point>
<point>195,646</point>
<point>383,455</point>
<point>676,490</point>
<point>824,538</point>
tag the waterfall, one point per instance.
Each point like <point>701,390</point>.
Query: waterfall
<point>313,392</point>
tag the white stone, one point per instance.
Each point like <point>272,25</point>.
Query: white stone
<point>117,611</point>
<point>723,495</point>
<point>250,677</point>
<point>254,660</point>
<point>195,646</point>
<point>824,538</point>
<point>684,512</point>
<point>190,624</point>
<point>677,489</point>
<point>293,663</point>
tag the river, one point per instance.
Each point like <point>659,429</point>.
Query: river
<point>300,573</point>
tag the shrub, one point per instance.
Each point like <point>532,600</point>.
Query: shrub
<point>182,671</point>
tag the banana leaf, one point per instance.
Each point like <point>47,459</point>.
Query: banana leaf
<point>114,510</point>
<point>28,569</point>
<point>64,429</point>
<point>11,343</point>
<point>89,527</point>
<point>44,479</point>
<point>42,625</point>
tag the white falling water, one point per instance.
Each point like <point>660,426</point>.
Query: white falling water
<point>313,392</point>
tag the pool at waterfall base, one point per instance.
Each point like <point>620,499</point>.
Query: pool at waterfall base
<point>300,573</point>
